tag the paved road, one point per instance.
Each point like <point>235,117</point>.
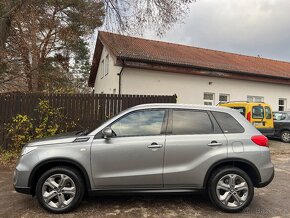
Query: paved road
<point>272,201</point>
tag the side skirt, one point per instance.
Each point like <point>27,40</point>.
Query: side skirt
<point>116,192</point>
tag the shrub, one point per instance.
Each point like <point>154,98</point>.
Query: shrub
<point>48,122</point>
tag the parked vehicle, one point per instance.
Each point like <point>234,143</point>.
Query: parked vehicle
<point>257,113</point>
<point>150,148</point>
<point>282,125</point>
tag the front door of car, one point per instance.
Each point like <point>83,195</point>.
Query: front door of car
<point>133,156</point>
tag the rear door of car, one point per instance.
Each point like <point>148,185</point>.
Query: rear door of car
<point>194,142</point>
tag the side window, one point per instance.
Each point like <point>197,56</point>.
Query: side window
<point>188,122</point>
<point>228,123</point>
<point>279,116</point>
<point>139,123</point>
<point>268,113</point>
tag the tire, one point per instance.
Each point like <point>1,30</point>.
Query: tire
<point>229,198</point>
<point>60,190</point>
<point>285,136</point>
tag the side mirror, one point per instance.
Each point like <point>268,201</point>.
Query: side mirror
<point>107,132</point>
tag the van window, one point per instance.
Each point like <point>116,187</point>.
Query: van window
<point>188,122</point>
<point>242,110</point>
<point>258,112</point>
<point>228,123</point>
<point>268,113</point>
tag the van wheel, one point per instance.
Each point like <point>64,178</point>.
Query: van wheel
<point>60,190</point>
<point>230,189</point>
<point>285,136</point>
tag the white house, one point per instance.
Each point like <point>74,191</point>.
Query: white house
<point>129,65</point>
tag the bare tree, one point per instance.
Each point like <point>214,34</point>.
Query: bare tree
<point>44,41</point>
<point>133,16</point>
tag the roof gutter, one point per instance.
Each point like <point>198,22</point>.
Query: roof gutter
<point>197,67</point>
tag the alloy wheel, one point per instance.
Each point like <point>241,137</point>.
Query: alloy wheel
<point>58,191</point>
<point>285,136</point>
<point>232,190</point>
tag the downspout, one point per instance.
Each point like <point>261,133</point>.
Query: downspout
<point>120,77</point>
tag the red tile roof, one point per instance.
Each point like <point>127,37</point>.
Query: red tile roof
<point>143,50</point>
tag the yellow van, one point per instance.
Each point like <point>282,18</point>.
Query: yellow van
<point>257,113</point>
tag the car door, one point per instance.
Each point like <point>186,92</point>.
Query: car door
<point>279,122</point>
<point>133,157</point>
<point>194,142</point>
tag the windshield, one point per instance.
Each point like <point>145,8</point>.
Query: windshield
<point>258,112</point>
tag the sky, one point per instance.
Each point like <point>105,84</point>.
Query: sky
<point>250,27</point>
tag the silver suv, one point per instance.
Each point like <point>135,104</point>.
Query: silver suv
<point>150,148</point>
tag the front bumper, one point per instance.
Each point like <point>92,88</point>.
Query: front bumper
<point>20,181</point>
<point>267,131</point>
<point>23,190</point>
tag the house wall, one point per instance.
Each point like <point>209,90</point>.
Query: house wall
<point>190,89</point>
<point>108,84</point>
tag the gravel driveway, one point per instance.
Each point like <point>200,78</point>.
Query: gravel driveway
<point>271,201</point>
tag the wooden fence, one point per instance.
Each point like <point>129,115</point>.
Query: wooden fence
<point>89,110</point>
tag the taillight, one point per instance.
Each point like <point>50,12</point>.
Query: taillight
<point>260,140</point>
<point>249,116</point>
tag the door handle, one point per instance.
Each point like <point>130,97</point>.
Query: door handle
<point>155,145</point>
<point>215,143</point>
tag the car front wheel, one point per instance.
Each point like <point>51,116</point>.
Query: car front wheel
<point>230,189</point>
<point>60,190</point>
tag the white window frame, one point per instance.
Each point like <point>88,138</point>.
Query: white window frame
<point>255,98</point>
<point>210,101</point>
<point>284,105</point>
<point>107,59</point>
<point>227,95</point>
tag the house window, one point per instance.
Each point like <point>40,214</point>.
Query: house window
<point>255,99</point>
<point>102,69</point>
<point>282,104</point>
<point>224,98</point>
<point>208,98</point>
<point>107,65</point>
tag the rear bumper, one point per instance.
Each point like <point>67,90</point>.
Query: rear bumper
<point>267,131</point>
<point>267,182</point>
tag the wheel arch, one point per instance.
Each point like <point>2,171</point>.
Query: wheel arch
<point>284,129</point>
<point>56,162</point>
<point>242,164</point>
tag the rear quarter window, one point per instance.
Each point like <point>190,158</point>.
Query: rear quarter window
<point>228,123</point>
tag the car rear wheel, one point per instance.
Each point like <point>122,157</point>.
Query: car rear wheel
<point>285,136</point>
<point>230,189</point>
<point>60,190</point>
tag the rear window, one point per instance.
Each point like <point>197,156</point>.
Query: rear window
<point>188,122</point>
<point>258,112</point>
<point>228,123</point>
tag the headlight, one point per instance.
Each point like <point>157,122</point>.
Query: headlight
<point>26,150</point>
